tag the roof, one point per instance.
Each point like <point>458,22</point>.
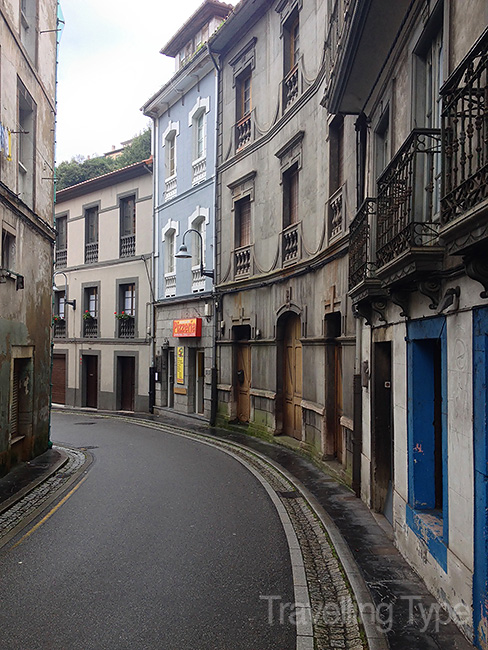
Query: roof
<point>209,9</point>
<point>105,180</point>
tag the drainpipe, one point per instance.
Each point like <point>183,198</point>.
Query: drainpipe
<point>215,295</point>
<point>155,257</point>
<point>357,412</point>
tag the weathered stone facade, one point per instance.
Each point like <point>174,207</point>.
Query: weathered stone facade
<point>27,71</point>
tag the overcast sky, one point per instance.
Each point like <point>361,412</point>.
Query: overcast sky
<point>109,65</point>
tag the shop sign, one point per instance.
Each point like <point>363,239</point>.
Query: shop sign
<point>187,327</point>
<point>180,365</point>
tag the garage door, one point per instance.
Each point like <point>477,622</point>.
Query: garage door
<point>59,379</point>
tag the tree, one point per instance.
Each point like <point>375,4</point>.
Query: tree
<point>79,169</point>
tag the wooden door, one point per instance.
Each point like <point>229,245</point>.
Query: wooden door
<point>91,380</point>
<point>243,385</point>
<point>59,379</point>
<point>292,381</point>
<point>199,381</point>
<point>127,379</point>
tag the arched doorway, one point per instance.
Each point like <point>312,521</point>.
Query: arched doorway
<point>292,376</point>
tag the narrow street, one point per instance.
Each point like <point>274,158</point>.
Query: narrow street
<point>168,543</point>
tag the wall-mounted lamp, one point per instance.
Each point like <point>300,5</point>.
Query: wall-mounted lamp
<point>72,303</point>
<point>184,254</point>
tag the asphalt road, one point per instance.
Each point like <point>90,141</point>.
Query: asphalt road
<point>168,544</point>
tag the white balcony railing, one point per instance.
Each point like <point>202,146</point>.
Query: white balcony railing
<point>199,171</point>
<point>170,188</point>
<point>170,285</point>
<point>197,280</point>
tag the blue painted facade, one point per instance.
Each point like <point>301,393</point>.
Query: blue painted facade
<point>179,210</point>
<point>480,411</point>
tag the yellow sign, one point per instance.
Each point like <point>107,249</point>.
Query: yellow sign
<point>180,365</point>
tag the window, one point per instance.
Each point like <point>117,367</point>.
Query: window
<point>90,312</point>
<point>336,176</point>
<point>382,142</point>
<point>128,226</point>
<point>129,299</point>
<point>170,251</point>
<point>91,235</point>
<point>60,304</point>
<point>26,146</point>
<point>59,314</point>
<point>243,222</point>
<point>200,135</point>
<point>171,154</point>
<point>61,242</point>
<point>244,95</point>
<point>127,310</point>
<point>290,196</point>
<point>28,26</point>
<point>8,250</point>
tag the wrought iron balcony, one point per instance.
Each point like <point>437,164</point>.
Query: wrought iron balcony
<point>61,258</point>
<point>128,246</point>
<point>126,327</point>
<point>243,131</point>
<point>60,329</point>
<point>290,87</point>
<point>242,261</point>
<point>291,244</point>
<point>90,328</point>
<point>91,253</point>
<point>407,242</point>
<point>464,203</point>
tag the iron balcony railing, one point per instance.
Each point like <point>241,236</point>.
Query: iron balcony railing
<point>465,134</point>
<point>90,328</point>
<point>61,258</point>
<point>91,253</point>
<point>60,329</point>
<point>128,246</point>
<point>361,263</point>
<point>408,198</point>
<point>127,328</point>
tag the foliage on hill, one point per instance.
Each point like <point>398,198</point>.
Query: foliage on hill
<point>80,169</point>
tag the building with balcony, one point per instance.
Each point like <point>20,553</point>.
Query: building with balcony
<point>102,323</point>
<point>184,127</point>
<point>414,76</point>
<point>285,340</point>
<point>28,31</point>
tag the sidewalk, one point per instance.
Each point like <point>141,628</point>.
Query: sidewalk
<point>401,598</point>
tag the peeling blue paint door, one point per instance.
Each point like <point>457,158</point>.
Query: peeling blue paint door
<point>480,443</point>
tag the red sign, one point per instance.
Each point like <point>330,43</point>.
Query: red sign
<point>187,327</point>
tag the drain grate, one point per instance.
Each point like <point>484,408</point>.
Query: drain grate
<point>292,494</point>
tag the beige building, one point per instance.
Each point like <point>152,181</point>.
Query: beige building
<point>28,30</point>
<point>103,295</point>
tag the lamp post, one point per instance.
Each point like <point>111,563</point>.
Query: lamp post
<point>184,254</point>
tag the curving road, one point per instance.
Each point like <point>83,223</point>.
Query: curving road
<point>168,544</point>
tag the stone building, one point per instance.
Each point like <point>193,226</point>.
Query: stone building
<point>414,76</point>
<point>27,118</point>
<point>184,122</point>
<point>286,332</point>
<point>103,291</point>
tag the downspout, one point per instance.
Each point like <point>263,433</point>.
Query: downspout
<point>155,257</point>
<point>59,29</point>
<point>215,296</point>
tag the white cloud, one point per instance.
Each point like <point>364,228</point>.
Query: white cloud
<point>109,65</point>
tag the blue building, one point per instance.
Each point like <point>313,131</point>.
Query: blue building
<point>184,126</point>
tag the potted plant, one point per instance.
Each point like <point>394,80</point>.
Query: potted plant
<point>87,315</point>
<point>58,320</point>
<point>123,315</point>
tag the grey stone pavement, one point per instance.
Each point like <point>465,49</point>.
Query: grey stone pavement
<point>353,589</point>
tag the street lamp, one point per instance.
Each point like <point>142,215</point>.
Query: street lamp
<point>66,301</point>
<point>184,254</point>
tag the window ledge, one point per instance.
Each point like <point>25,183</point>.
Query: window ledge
<point>428,526</point>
